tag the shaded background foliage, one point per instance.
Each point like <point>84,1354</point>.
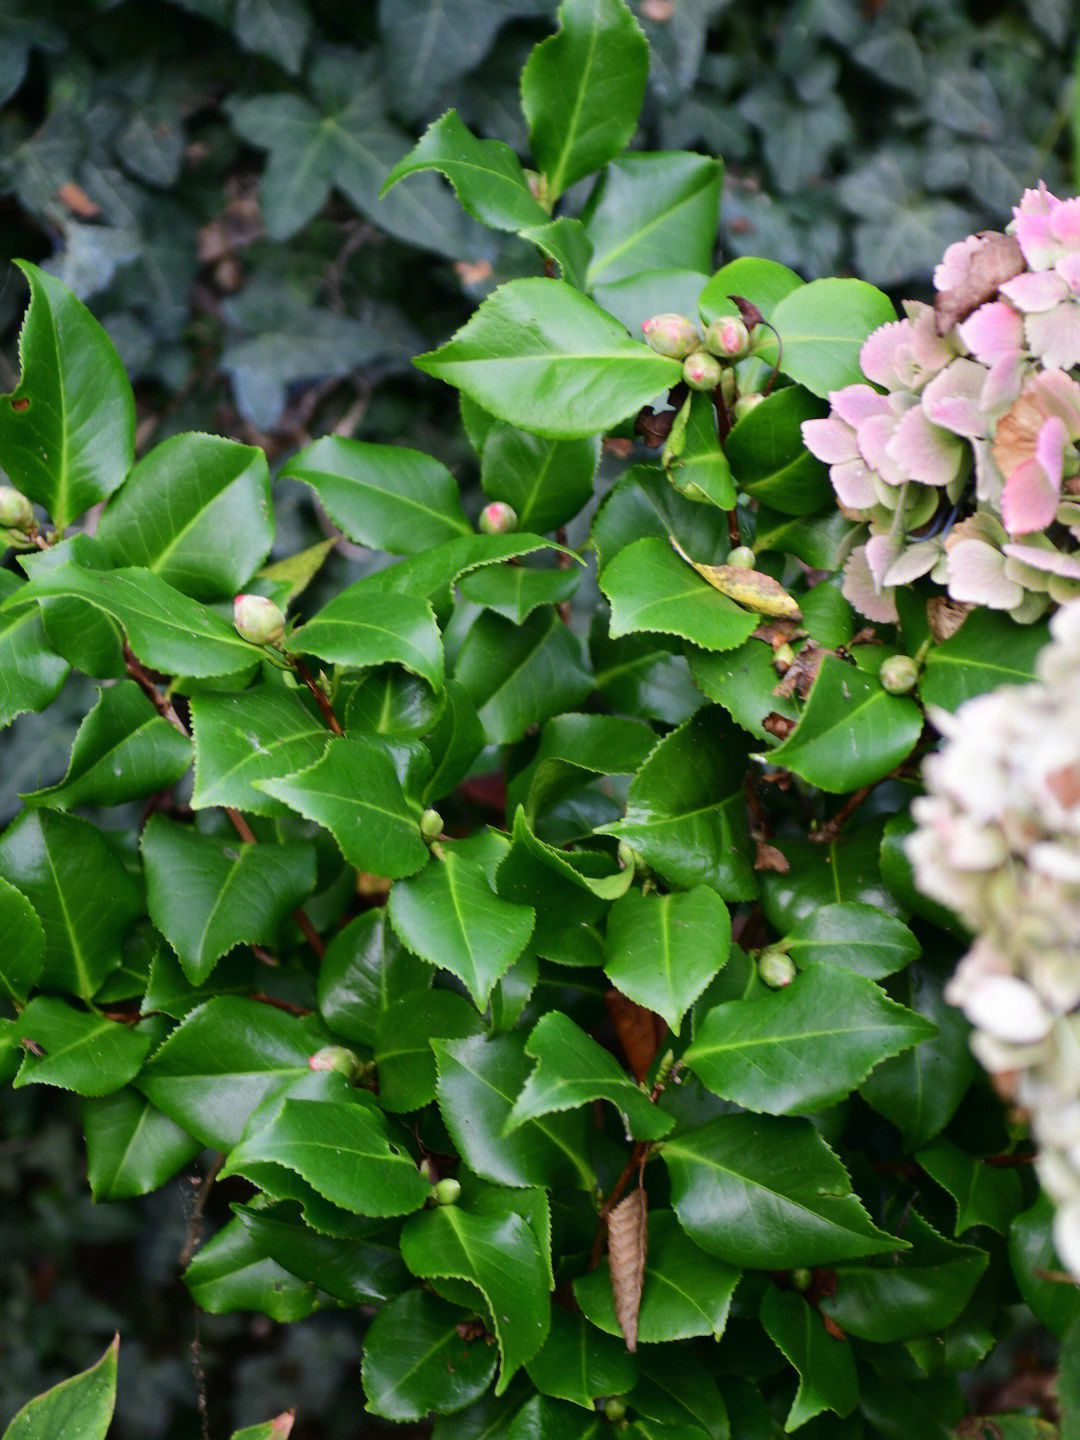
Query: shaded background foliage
<point>205,175</point>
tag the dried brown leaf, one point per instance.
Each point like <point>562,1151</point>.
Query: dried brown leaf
<point>640,1031</point>
<point>945,616</point>
<point>802,672</point>
<point>997,259</point>
<point>628,1244</point>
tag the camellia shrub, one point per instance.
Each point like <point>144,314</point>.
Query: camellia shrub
<point>530,929</point>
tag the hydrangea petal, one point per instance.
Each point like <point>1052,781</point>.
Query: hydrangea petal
<point>854,484</point>
<point>1068,267</point>
<point>993,330</point>
<point>881,552</point>
<point>1055,562</point>
<point>1065,222</point>
<point>1050,449</point>
<point>1009,1009</point>
<point>1029,500</point>
<point>977,576</point>
<point>830,440</point>
<point>881,358</point>
<point>874,436</point>
<point>951,400</point>
<point>1055,336</point>
<point>1036,291</point>
<point>917,560</point>
<point>1031,226</point>
<point>924,451</point>
<point>858,590</point>
<point>856,403</point>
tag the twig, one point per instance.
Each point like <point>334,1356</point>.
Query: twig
<point>830,831</point>
<point>304,674</point>
<point>194,1227</point>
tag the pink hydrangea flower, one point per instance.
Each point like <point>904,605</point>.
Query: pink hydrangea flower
<point>860,590</point>
<point>1029,447</point>
<point>995,336</point>
<point>851,440</point>
<point>1045,227</point>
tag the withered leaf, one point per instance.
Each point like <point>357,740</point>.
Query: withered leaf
<point>997,259</point>
<point>945,616</point>
<point>640,1031</point>
<point>628,1243</point>
<point>752,589</point>
<point>802,672</point>
<point>770,858</point>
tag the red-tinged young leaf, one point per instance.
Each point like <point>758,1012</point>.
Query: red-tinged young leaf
<point>628,1245</point>
<point>81,1406</point>
<point>280,1428</point>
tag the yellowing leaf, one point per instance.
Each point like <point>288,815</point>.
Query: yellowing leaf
<point>749,588</point>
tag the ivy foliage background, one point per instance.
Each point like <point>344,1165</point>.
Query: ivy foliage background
<point>206,177</point>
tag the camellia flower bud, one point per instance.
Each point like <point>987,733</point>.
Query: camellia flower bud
<point>701,371</point>
<point>742,557</point>
<point>728,337</point>
<point>802,1278</point>
<point>776,968</point>
<point>498,518</point>
<point>335,1057</point>
<point>15,509</point>
<point>672,335</point>
<point>783,658</point>
<point>745,404</point>
<point>258,619</point>
<point>431,824</point>
<point>615,1408</point>
<point>448,1191</point>
<point>899,674</point>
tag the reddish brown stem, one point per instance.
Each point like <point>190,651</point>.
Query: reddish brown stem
<point>830,831</point>
<point>303,673</point>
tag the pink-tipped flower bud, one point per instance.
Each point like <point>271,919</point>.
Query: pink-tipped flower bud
<point>672,335</point>
<point>701,371</point>
<point>498,518</point>
<point>742,557</point>
<point>728,337</point>
<point>258,619</point>
<point>335,1057</point>
<point>899,674</point>
<point>776,968</point>
<point>15,509</point>
<point>745,404</point>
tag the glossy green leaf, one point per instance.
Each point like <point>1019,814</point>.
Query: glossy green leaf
<point>167,630</point>
<point>230,1272</point>
<point>403,1039</point>
<point>430,574</point>
<point>544,1418</point>
<point>578,1362</point>
<point>82,1051</point>
<point>572,1069</point>
<point>650,207</point>
<point>486,174</point>
<point>454,742</point>
<point>67,430</point>
<point>415,1361</point>
<point>31,672</point>
<point>342,1150</point>
<point>546,481</point>
<point>743,682</point>
<point>450,916</point>
<point>354,1270</point>
<point>988,650</point>
<point>829,873</point>
<point>984,1194</point>
<point>169,991</point>
<point>852,731</point>
<point>855,936</point>
<point>685,1292</point>
<point>769,459</point>
<point>822,327</point>
<point>1035,1262</point>
<point>827,1378</point>
<point>354,791</point>
<point>206,895</point>
<point>131,1147</point>
<point>123,750</point>
<point>899,875</point>
<point>543,357</point>
<point>922,1290</point>
<point>920,1090</point>
<point>521,675</point>
<point>768,1193</point>
<point>365,969</point>
<point>515,591</point>
<point>87,638</point>
<point>385,496</point>
<point>264,733</point>
<point>24,944</point>
<point>501,1256</point>
<point>662,950</point>
<point>479,1080</point>
<point>572,750</point>
<point>817,539</point>
<point>565,242</point>
<point>196,511</point>
<point>216,1067</point>
<point>676,1389</point>
<point>766,1054</point>
<point>81,1406</point>
<point>643,504</point>
<point>639,676</point>
<point>386,700</point>
<point>84,897</point>
<point>582,88</point>
<point>651,588</point>
<point>686,810</point>
<point>763,282</point>
<point>359,629</point>
<point>697,465</point>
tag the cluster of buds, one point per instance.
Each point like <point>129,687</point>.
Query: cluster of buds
<point>704,356</point>
<point>17,520</point>
<point>998,841</point>
<point>961,458</point>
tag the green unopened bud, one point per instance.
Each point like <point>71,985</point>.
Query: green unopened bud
<point>742,557</point>
<point>701,371</point>
<point>258,619</point>
<point>335,1057</point>
<point>728,337</point>
<point>615,1408</point>
<point>745,404</point>
<point>629,858</point>
<point>802,1278</point>
<point>431,824</point>
<point>447,1192</point>
<point>672,335</point>
<point>16,538</point>
<point>15,509</point>
<point>776,968</point>
<point>899,674</point>
<point>783,658</point>
<point>498,518</point>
